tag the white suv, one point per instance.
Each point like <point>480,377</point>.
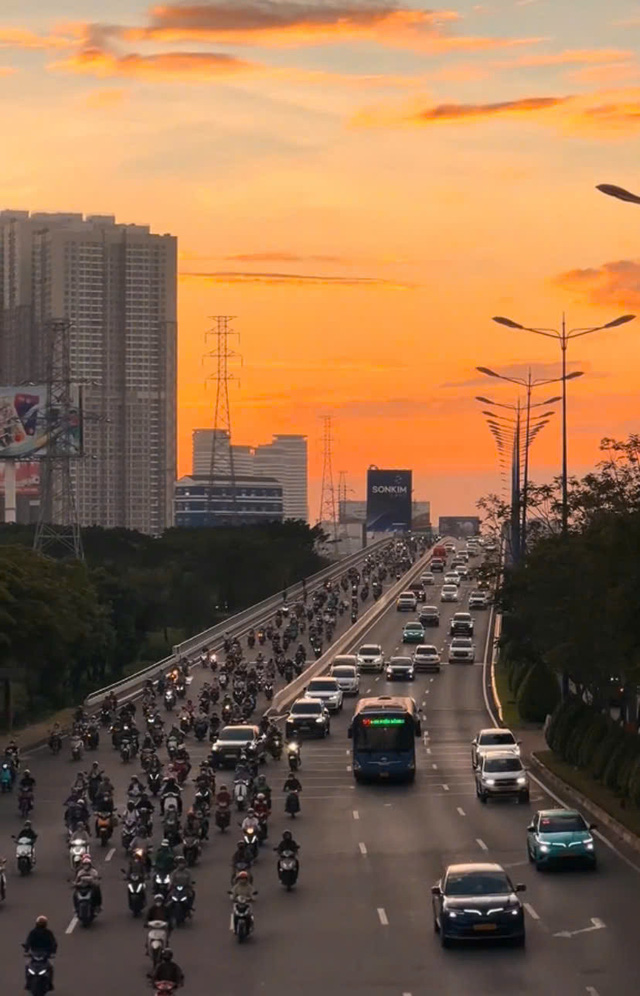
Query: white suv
<point>370,658</point>
<point>327,690</point>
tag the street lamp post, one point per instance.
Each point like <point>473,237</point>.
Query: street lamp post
<point>563,336</point>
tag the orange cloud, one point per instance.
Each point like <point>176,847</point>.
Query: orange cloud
<point>23,38</point>
<point>616,283</point>
<point>416,115</point>
<point>194,66</point>
<point>615,72</point>
<point>7,70</point>
<point>295,279</point>
<point>280,257</point>
<point>568,57</point>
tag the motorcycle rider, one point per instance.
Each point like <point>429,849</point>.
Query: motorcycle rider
<point>170,787</point>
<point>168,970</point>
<point>240,861</point>
<point>41,942</point>
<point>192,825</point>
<point>158,911</point>
<point>182,876</point>
<point>263,787</point>
<point>165,860</point>
<point>223,798</point>
<point>88,875</point>
<point>287,844</point>
<point>261,807</point>
<point>28,832</point>
<point>292,784</point>
<point>242,889</point>
<point>27,783</point>
<point>145,808</point>
<point>251,821</point>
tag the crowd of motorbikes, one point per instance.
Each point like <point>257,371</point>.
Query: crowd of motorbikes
<point>157,734</point>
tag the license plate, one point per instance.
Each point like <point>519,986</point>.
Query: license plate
<point>484,926</point>
<point>384,774</point>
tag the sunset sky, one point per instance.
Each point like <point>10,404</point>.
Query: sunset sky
<point>363,184</point>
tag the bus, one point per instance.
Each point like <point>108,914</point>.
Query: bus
<point>383,732</point>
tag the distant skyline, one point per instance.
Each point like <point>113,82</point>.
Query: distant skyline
<point>363,184</point>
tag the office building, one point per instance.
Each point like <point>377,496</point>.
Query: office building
<point>116,284</point>
<point>257,500</point>
<point>202,444</point>
<point>285,458</point>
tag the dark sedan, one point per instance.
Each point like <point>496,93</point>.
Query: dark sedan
<point>477,902</point>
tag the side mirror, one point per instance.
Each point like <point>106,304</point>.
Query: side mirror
<point>531,828</point>
<point>520,887</point>
<point>593,826</point>
<point>519,742</point>
<point>436,890</point>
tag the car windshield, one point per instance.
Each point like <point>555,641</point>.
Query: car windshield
<point>383,733</point>
<point>430,610</point>
<point>461,641</point>
<point>496,739</point>
<point>462,617</point>
<point>344,672</point>
<point>322,685</point>
<point>502,764</point>
<point>237,733</point>
<point>306,708</point>
<point>426,648</point>
<point>403,661</point>
<point>370,651</point>
<point>562,823</point>
<point>475,883</point>
<point>447,589</point>
<point>414,626</point>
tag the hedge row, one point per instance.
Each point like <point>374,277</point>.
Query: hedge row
<point>535,688</point>
<point>590,740</point>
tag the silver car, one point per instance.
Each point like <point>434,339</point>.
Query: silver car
<point>462,650</point>
<point>370,658</point>
<point>426,658</point>
<point>449,593</point>
<point>327,690</point>
<point>501,773</point>
<point>347,677</point>
<point>491,740</point>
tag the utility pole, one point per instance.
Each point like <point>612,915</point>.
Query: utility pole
<point>327,511</point>
<point>58,528</point>
<point>222,354</point>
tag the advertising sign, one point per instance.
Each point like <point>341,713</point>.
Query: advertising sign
<point>27,477</point>
<point>388,500</point>
<point>459,526</point>
<point>29,424</point>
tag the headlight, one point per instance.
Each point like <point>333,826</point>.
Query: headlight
<point>488,781</point>
<point>320,719</point>
<point>589,845</point>
<point>216,747</point>
<point>522,780</point>
<point>451,914</point>
<point>514,912</point>
<point>544,848</point>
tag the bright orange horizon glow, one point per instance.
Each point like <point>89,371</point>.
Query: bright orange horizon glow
<point>363,184</point>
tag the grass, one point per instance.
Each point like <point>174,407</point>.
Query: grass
<point>582,782</point>
<point>510,714</point>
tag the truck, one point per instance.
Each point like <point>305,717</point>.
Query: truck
<point>440,553</point>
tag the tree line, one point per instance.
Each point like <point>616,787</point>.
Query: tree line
<point>70,627</point>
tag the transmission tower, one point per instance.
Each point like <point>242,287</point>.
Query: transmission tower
<point>222,354</point>
<point>342,495</point>
<point>327,494</point>
<point>58,528</point>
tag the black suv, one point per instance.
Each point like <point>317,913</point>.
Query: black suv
<point>429,615</point>
<point>308,716</point>
<point>461,624</point>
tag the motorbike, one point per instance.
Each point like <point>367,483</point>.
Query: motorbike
<point>136,893</point>
<point>25,803</point>
<point>164,988</point>
<point>161,883</point>
<point>288,868</point>
<point>84,905</point>
<point>55,743</point>
<point>127,837</point>
<point>200,728</point>
<point>25,855</point>
<point>275,747</point>
<point>157,939</point>
<point>268,691</point>
<point>181,900</point>
<point>154,781</point>
<point>104,828</point>
<point>293,756</point>
<point>263,829</point>
<point>223,818</point>
<point>240,794</point>
<point>38,974</point>
<point>126,751</point>
<point>191,850</point>
<point>77,850</point>
<point>251,842</point>
<point>169,700</point>
<point>172,746</point>
<point>292,804</point>
<point>242,919</point>
<point>77,749</point>
<point>171,828</point>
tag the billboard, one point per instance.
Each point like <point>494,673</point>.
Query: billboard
<point>29,424</point>
<point>459,526</point>
<point>27,477</point>
<point>388,500</point>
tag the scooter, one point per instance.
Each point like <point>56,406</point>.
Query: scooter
<point>240,795</point>
<point>157,940</point>
<point>38,975</point>
<point>288,868</point>
<point>181,902</point>
<point>223,818</point>
<point>136,894</point>
<point>77,850</point>
<point>242,919</point>
<point>292,805</point>
<point>85,909</point>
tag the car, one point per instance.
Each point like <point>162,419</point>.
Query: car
<point>231,741</point>
<point>370,657</point>
<point>437,565</point>
<point>345,670</point>
<point>559,837</point>
<point>427,579</point>
<point>493,739</point>
<point>476,902</point>
<point>418,590</point>
<point>478,600</point>
<point>450,547</point>
<point>462,650</point>
<point>463,571</point>
<point>400,669</point>
<point>429,615</point>
<point>501,773</point>
<point>327,690</point>
<point>461,624</point>
<point>451,578</point>
<point>413,632</point>
<point>426,658</point>
<point>307,716</point>
<point>406,602</point>
<point>449,593</point>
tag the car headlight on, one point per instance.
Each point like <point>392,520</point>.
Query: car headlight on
<point>489,781</point>
<point>451,914</point>
<point>544,848</point>
<point>320,719</point>
<point>522,780</point>
<point>514,912</point>
<point>589,845</point>
<point>215,747</point>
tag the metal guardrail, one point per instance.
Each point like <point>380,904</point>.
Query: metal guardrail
<point>295,687</point>
<point>234,625</point>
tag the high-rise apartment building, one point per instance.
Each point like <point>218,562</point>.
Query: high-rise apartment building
<point>117,286</point>
<point>285,458</point>
<point>202,444</point>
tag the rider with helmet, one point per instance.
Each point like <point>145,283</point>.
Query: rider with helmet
<point>168,970</point>
<point>41,942</point>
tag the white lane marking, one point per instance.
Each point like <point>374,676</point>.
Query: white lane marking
<point>378,678</point>
<point>231,922</point>
<point>347,752</point>
<point>110,854</point>
<point>481,844</point>
<point>348,767</point>
<point>596,924</point>
<point>430,680</point>
<point>363,848</point>
<point>445,788</point>
<point>356,814</point>
<point>434,766</point>
<point>423,703</point>
<point>367,691</point>
<point>73,923</point>
<point>426,692</point>
<point>461,811</point>
<point>382,916</point>
<point>428,750</point>
<point>530,910</point>
<point>388,805</point>
<point>592,991</point>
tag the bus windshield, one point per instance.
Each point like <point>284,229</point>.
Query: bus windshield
<point>383,733</point>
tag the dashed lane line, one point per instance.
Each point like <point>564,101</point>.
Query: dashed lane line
<point>481,844</point>
<point>356,814</point>
<point>73,923</point>
<point>110,854</point>
<point>363,848</point>
<point>461,811</point>
<point>434,766</point>
<point>530,910</point>
<point>382,916</point>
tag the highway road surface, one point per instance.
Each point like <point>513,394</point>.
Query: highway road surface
<point>360,920</point>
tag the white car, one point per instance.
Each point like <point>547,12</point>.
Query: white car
<point>449,593</point>
<point>426,658</point>
<point>452,578</point>
<point>462,650</point>
<point>427,579</point>
<point>370,658</point>
<point>501,773</point>
<point>478,600</point>
<point>493,739</point>
<point>346,674</point>
<point>327,690</point>
<point>406,602</point>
